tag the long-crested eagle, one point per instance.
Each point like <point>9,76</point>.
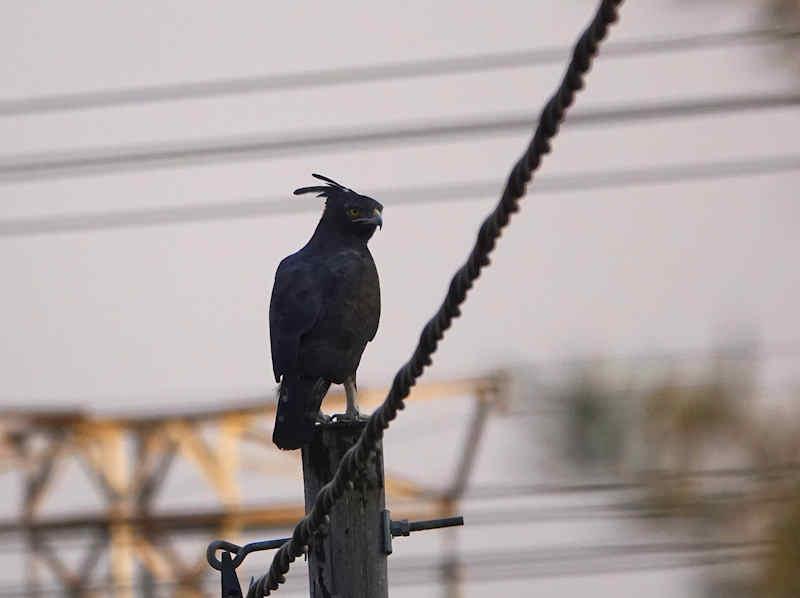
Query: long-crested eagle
<point>324,309</point>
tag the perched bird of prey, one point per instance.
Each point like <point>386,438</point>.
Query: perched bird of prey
<point>324,310</point>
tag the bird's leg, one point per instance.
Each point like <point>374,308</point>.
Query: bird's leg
<point>350,392</point>
<point>315,412</point>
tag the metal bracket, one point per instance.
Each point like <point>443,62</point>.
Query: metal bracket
<point>404,527</point>
<point>230,582</point>
<point>227,566</point>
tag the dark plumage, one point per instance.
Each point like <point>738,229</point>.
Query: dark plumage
<point>324,310</point>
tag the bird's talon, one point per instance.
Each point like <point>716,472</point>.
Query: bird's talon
<point>349,417</point>
<point>355,416</point>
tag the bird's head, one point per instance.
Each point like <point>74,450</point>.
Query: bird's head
<point>345,210</point>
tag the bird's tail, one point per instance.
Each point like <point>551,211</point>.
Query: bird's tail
<point>299,400</point>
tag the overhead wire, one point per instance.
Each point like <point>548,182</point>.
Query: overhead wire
<point>520,568</point>
<point>527,563</point>
<point>643,480</point>
<point>37,166</point>
<point>558,560</point>
<point>394,197</point>
<point>431,67</point>
<point>519,515</point>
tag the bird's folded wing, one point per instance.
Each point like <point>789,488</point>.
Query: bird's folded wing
<point>297,300</point>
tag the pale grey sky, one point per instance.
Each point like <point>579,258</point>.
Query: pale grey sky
<point>134,317</point>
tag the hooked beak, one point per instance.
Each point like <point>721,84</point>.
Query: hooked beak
<point>376,219</point>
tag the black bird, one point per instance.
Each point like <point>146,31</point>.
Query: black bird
<point>324,310</point>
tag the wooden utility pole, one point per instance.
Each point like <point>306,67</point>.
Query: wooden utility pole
<point>349,561</point>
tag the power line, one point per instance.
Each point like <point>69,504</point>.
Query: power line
<point>36,166</point>
<point>460,191</point>
<point>522,568</point>
<point>564,552</point>
<point>558,557</point>
<point>632,508</point>
<point>645,480</point>
<point>484,567</point>
<point>371,73</point>
<point>567,561</point>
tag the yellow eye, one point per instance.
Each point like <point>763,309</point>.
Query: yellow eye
<point>353,212</point>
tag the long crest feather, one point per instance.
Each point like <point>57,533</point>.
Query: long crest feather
<point>322,190</point>
<point>322,177</point>
<point>319,190</point>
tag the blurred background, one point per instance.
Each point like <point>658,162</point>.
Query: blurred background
<point>615,412</point>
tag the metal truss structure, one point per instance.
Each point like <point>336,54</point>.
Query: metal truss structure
<point>129,459</point>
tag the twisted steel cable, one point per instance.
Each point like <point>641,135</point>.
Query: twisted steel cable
<point>356,458</point>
